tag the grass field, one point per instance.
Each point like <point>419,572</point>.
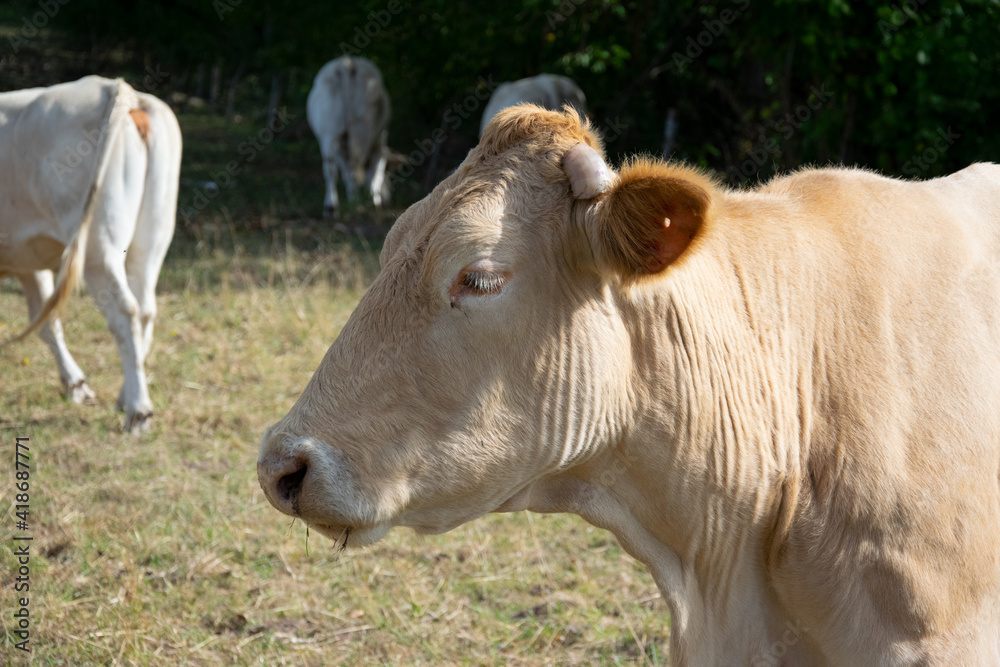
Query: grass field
<point>160,549</point>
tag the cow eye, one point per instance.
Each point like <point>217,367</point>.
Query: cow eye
<point>481,283</point>
<point>482,278</point>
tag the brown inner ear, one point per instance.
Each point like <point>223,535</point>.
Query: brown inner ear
<point>650,220</point>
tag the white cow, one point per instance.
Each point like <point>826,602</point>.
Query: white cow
<point>89,186</point>
<point>785,401</point>
<point>348,111</point>
<point>549,91</point>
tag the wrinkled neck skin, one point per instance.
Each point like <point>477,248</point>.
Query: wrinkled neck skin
<point>694,488</point>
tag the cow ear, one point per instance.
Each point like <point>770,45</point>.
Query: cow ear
<point>650,216</point>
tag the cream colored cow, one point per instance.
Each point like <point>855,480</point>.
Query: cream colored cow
<point>549,91</point>
<point>89,173</point>
<point>786,402</point>
<point>348,110</point>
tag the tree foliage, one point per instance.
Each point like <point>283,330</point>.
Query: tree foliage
<point>906,87</point>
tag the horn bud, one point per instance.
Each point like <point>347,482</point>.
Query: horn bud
<point>588,175</point>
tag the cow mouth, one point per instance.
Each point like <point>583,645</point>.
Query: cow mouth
<point>350,536</point>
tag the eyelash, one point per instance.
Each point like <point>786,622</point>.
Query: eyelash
<point>483,283</point>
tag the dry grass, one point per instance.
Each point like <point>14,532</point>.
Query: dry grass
<point>160,549</point>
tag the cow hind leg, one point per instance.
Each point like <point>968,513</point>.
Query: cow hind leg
<point>330,202</point>
<point>108,284</point>
<point>142,268</point>
<point>143,262</point>
<point>339,151</point>
<point>154,227</point>
<point>350,188</point>
<point>376,181</point>
<point>38,288</point>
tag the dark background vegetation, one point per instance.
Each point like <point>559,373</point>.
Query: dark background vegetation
<point>910,88</point>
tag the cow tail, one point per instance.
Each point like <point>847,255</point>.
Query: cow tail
<point>71,266</point>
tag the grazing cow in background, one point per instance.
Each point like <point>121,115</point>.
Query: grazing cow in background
<point>89,186</point>
<point>785,402</point>
<point>348,111</point>
<point>549,91</point>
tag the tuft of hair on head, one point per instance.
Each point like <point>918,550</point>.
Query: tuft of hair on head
<point>531,123</point>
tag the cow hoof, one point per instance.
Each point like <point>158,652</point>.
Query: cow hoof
<point>138,421</point>
<point>79,392</point>
<point>329,212</point>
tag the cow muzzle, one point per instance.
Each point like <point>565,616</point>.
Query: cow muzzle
<point>306,478</point>
<point>282,478</point>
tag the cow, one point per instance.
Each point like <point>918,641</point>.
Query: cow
<point>89,187</point>
<point>549,91</point>
<point>784,401</point>
<point>348,110</point>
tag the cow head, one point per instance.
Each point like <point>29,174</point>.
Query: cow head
<point>493,350</point>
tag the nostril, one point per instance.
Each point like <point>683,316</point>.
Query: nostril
<point>290,485</point>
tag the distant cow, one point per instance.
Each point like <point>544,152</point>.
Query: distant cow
<point>549,91</point>
<point>348,111</point>
<point>89,186</point>
<point>785,402</point>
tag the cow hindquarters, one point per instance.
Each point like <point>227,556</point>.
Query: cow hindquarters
<point>37,289</point>
<point>155,226</point>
